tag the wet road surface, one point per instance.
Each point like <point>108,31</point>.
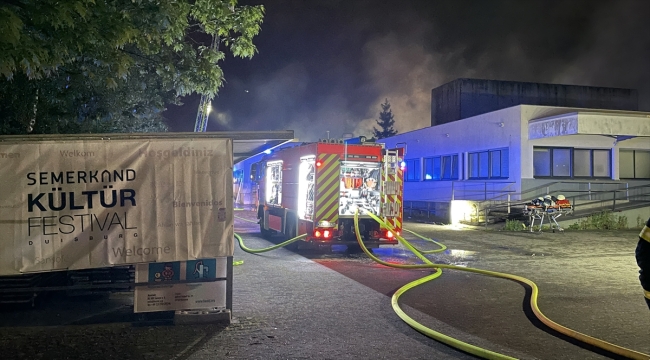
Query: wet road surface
<point>588,282</point>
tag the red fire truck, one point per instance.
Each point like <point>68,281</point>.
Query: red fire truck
<point>316,188</point>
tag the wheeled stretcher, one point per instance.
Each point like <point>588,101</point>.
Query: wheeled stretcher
<point>550,207</point>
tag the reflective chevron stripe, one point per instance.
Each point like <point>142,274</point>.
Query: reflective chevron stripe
<point>328,176</point>
<point>396,198</point>
<point>645,233</point>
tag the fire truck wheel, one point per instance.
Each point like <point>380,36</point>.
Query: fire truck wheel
<point>354,249</point>
<point>291,233</point>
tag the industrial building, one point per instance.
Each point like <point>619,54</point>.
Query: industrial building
<point>465,98</point>
<point>495,144</point>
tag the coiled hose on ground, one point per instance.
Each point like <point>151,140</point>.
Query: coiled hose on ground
<point>471,349</point>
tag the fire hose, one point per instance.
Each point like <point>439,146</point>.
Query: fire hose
<point>458,344</point>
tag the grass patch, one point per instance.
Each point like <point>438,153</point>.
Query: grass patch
<point>514,225</point>
<point>603,220</point>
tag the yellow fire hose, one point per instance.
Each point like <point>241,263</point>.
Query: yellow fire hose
<point>257,251</point>
<point>471,349</point>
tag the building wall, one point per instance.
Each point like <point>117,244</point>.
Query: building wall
<point>495,130</point>
<point>577,142</point>
<point>464,98</point>
<point>505,128</point>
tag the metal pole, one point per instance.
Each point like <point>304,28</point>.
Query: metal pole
<point>452,191</point>
<point>485,191</point>
<point>229,278</point>
<point>486,219</point>
<point>508,203</point>
<point>573,202</point>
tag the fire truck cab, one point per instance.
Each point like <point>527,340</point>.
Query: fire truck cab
<point>316,188</point>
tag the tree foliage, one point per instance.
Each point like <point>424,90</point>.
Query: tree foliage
<point>385,122</point>
<point>113,65</point>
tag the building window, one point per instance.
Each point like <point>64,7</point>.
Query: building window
<point>601,163</point>
<point>582,161</point>
<point>491,164</point>
<point>412,170</point>
<point>561,162</point>
<point>570,162</point>
<point>541,162</point>
<point>441,168</point>
<point>634,164</point>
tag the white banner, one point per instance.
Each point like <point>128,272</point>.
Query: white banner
<point>96,203</point>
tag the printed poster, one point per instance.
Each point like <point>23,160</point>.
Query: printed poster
<point>80,204</point>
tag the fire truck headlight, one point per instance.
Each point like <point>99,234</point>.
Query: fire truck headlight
<point>317,233</point>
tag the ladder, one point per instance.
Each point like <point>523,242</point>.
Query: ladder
<point>390,186</point>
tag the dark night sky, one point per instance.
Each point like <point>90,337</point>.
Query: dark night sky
<point>328,64</point>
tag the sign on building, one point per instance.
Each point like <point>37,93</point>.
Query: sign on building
<point>180,285</point>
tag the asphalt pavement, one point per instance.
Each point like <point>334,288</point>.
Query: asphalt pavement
<point>288,305</point>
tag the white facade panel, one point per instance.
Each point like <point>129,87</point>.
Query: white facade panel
<point>519,130</point>
<point>590,123</point>
<point>587,129</point>
<point>614,124</point>
<point>500,129</point>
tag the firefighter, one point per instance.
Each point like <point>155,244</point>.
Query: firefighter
<point>643,260</point>
<point>371,183</point>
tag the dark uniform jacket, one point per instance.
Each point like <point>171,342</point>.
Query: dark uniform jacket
<point>643,260</point>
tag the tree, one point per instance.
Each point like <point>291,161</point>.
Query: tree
<point>113,65</point>
<point>385,122</point>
